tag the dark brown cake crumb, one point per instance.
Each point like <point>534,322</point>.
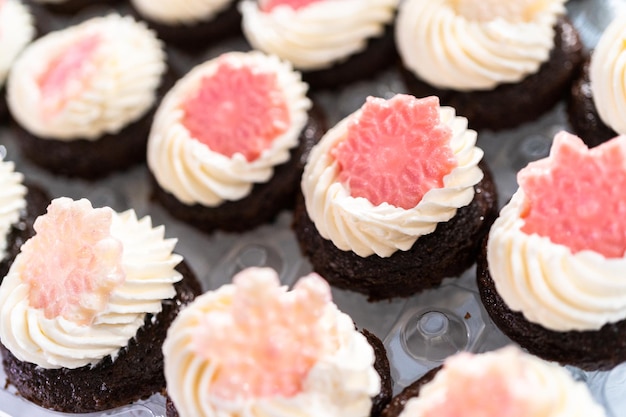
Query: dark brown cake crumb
<point>200,35</point>
<point>69,7</point>
<point>136,373</point>
<point>37,201</point>
<point>509,105</point>
<point>381,364</point>
<point>379,54</point>
<point>591,350</point>
<point>447,252</point>
<point>265,201</point>
<point>396,406</point>
<point>582,113</point>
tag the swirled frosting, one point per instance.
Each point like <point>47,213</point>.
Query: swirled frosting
<point>549,284</point>
<point>88,80</point>
<point>475,45</point>
<point>16,31</point>
<point>147,268</point>
<point>175,12</point>
<point>339,382</point>
<point>12,200</point>
<point>191,170</point>
<point>557,251</point>
<point>318,35</point>
<point>357,225</point>
<point>606,71</point>
<point>502,382</point>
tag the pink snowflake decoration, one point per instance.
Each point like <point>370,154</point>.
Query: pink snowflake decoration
<point>237,110</point>
<point>395,151</point>
<point>268,339</point>
<point>268,5</point>
<point>72,263</point>
<point>577,196</point>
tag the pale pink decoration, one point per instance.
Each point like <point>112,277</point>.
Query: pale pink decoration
<point>67,73</point>
<point>268,5</point>
<point>576,196</point>
<point>72,263</point>
<point>237,110</point>
<point>477,388</point>
<point>265,342</point>
<point>395,151</point>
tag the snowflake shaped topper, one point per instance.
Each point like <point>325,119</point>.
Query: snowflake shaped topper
<point>238,109</point>
<point>267,340</point>
<point>72,263</point>
<point>395,151</point>
<point>268,5</point>
<point>577,196</point>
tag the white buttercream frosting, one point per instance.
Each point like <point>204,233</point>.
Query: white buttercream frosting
<point>475,45</point>
<point>12,201</point>
<point>341,383</point>
<point>176,12</point>
<point>17,30</point>
<point>122,77</point>
<point>606,72</point>
<point>194,173</point>
<point>549,284</point>
<point>357,225</point>
<point>318,35</point>
<point>543,389</point>
<point>148,264</point>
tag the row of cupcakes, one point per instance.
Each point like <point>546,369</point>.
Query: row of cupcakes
<point>97,311</point>
<point>602,181</point>
<point>373,217</point>
<point>497,64</point>
<point>87,90</point>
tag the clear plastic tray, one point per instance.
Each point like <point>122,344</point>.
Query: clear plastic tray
<point>418,332</point>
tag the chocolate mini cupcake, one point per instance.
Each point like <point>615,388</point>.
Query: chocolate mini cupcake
<point>253,347</point>
<point>395,198</point>
<point>86,305</point>
<point>596,105</point>
<point>505,382</point>
<point>499,64</point>
<point>83,97</point>
<point>70,7</point>
<point>229,141</point>
<point>20,204</point>
<point>191,25</point>
<point>332,43</point>
<point>16,19</point>
<point>551,275</point>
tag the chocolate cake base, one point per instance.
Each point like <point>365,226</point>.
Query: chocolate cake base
<point>71,7</point>
<point>37,201</point>
<point>582,113</point>
<point>447,252</point>
<point>200,35</point>
<point>381,364</point>
<point>601,349</point>
<point>93,159</point>
<point>4,108</point>
<point>136,373</point>
<point>512,104</point>
<point>379,54</point>
<point>265,201</point>
<point>397,403</point>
